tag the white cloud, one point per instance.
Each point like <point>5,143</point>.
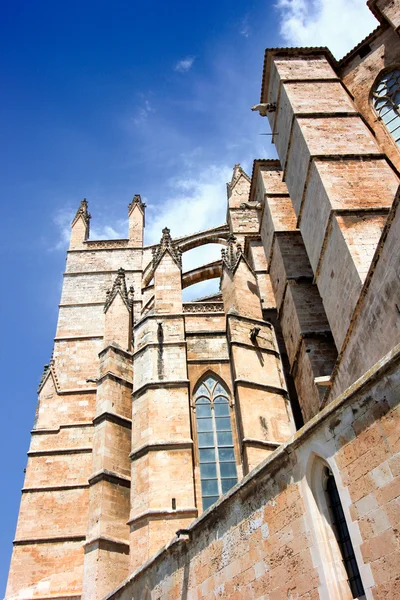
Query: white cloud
<point>245,29</point>
<point>184,65</point>
<point>142,113</point>
<point>338,24</point>
<point>191,203</point>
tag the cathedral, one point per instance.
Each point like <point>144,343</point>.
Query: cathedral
<point>244,445</point>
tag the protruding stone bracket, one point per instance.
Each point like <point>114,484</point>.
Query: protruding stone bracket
<point>119,287</point>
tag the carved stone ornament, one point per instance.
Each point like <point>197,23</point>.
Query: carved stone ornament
<point>136,201</point>
<point>214,307</point>
<point>232,255</point>
<point>82,212</point>
<point>119,287</point>
<point>263,109</point>
<point>167,245</point>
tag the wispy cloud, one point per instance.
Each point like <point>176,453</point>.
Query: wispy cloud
<point>184,65</point>
<point>245,29</point>
<point>142,113</point>
<point>338,24</point>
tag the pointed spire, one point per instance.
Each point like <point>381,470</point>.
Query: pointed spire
<point>232,255</point>
<point>236,175</point>
<point>119,287</point>
<point>82,212</point>
<point>167,244</point>
<point>136,201</point>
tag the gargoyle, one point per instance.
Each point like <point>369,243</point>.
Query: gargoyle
<point>263,109</point>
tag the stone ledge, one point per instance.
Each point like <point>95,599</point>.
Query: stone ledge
<point>110,477</point>
<point>115,378</point>
<point>261,386</point>
<point>201,361</point>
<point>82,450</point>
<point>216,333</point>
<point>57,430</point>
<point>113,418</point>
<point>255,347</point>
<point>108,544</point>
<point>161,513</point>
<point>50,540</point>
<point>117,350</point>
<point>158,345</point>
<point>158,446</point>
<point>55,488</point>
<point>230,315</point>
<point>261,443</point>
<point>172,383</point>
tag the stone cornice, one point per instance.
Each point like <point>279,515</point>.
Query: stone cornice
<point>153,385</point>
<point>55,451</point>
<point>106,543</point>
<point>162,513</point>
<point>113,418</point>
<point>158,345</point>
<point>50,540</point>
<point>110,477</point>
<point>260,386</point>
<point>160,446</point>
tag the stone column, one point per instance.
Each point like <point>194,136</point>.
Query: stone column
<point>262,407</point>
<point>162,497</point>
<point>106,561</point>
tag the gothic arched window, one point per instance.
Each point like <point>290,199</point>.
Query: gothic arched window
<point>386,101</point>
<point>215,443</point>
<point>339,571</point>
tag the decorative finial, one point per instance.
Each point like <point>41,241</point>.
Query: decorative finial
<point>167,244</point>
<point>119,287</point>
<point>136,201</point>
<point>83,212</point>
<point>231,256</point>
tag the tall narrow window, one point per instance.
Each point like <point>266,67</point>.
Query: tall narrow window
<point>214,431</point>
<point>386,101</point>
<point>342,535</point>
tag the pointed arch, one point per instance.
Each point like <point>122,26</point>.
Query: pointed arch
<point>385,98</point>
<point>338,565</point>
<point>215,446</point>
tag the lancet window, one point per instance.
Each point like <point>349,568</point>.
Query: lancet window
<point>386,101</point>
<point>342,535</point>
<point>215,443</point>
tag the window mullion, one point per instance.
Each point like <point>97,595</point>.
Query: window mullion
<point>216,449</point>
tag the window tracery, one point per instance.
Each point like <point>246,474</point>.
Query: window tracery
<point>215,443</point>
<point>386,101</point>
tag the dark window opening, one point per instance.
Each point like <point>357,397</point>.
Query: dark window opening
<point>342,535</point>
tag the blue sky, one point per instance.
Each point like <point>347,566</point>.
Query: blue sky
<point>107,99</point>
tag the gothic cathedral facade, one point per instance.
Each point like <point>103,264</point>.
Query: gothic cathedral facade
<point>246,444</point>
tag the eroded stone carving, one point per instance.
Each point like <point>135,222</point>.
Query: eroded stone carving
<point>82,212</point>
<point>167,245</point>
<point>232,254</point>
<point>119,287</point>
<point>136,201</point>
